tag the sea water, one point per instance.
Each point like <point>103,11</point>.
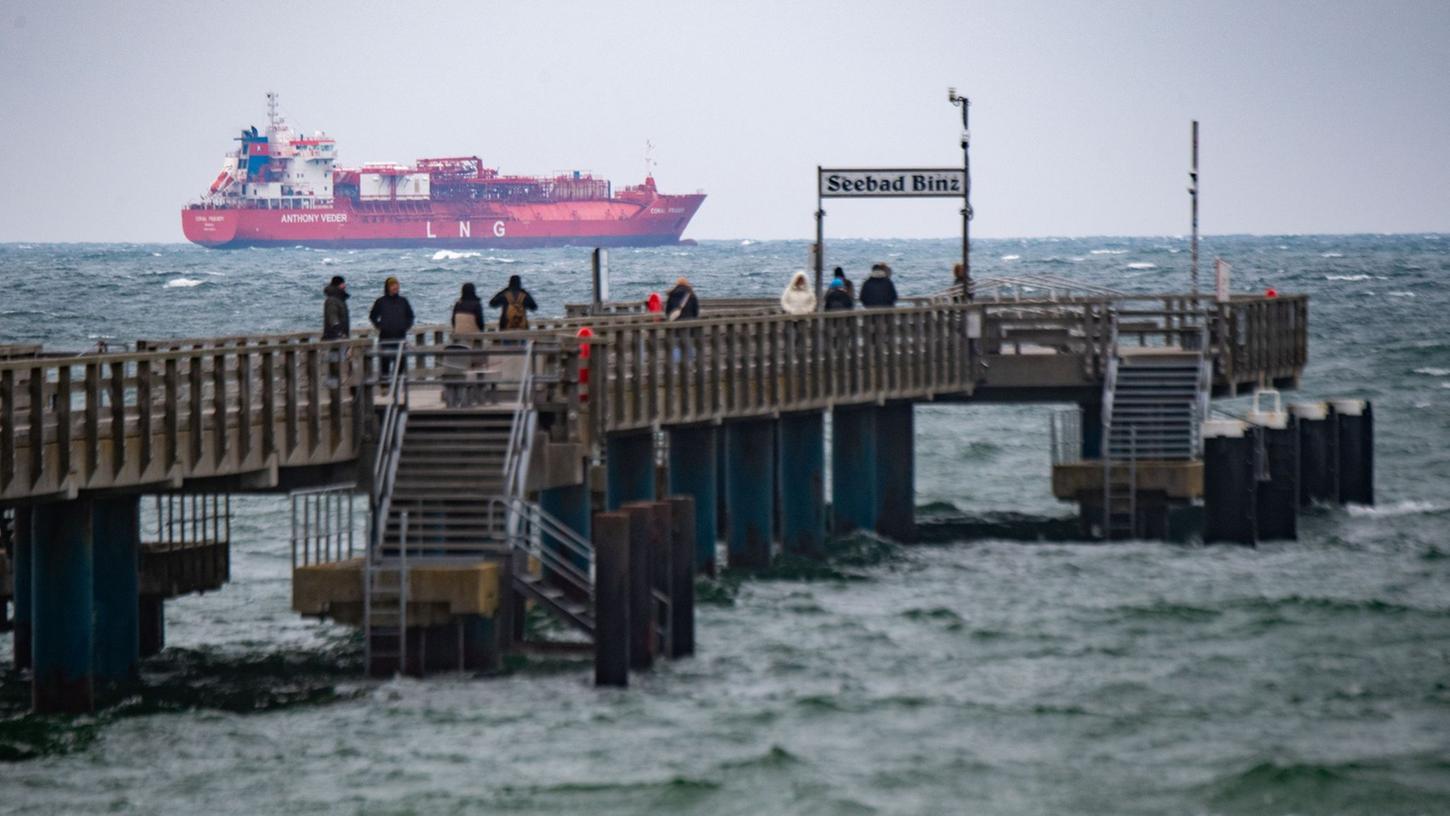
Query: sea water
<point>962,676</point>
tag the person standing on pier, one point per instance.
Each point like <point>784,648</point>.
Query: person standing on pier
<point>839,274</point>
<point>682,303</point>
<point>878,291</point>
<point>798,299</point>
<point>336,324</point>
<point>838,297</point>
<point>468,312</point>
<point>516,303</point>
<point>392,316</point>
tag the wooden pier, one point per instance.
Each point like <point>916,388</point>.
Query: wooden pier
<point>546,429</point>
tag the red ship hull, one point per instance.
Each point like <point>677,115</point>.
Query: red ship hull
<point>611,222</point>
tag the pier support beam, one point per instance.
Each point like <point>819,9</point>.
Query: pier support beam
<point>22,576</point>
<point>629,462</point>
<point>682,576</point>
<point>802,474</point>
<point>749,492</point>
<point>570,505</point>
<point>116,532</point>
<point>642,547</point>
<point>1355,419</point>
<point>896,471</point>
<point>62,569</point>
<point>693,470</point>
<point>1230,482</point>
<point>853,468</point>
<point>1318,454</point>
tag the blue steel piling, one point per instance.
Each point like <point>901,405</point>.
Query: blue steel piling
<point>896,471</point>
<point>749,492</point>
<point>1230,482</point>
<point>1091,422</point>
<point>629,462</point>
<point>22,594</point>
<point>693,471</point>
<point>1318,452</point>
<point>62,571</point>
<point>116,536</point>
<point>853,468</point>
<point>570,505</point>
<point>1355,420</point>
<point>802,474</point>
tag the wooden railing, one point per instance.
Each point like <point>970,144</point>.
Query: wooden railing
<point>203,407</point>
<point>113,420</point>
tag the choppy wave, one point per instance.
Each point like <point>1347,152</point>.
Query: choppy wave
<point>451,255</point>
<point>1403,508</point>
<point>1348,277</point>
<point>183,283</point>
<point>1432,371</point>
<point>1108,252</point>
<point>1142,265</point>
<point>1011,257</point>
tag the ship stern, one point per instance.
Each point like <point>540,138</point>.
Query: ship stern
<point>209,227</point>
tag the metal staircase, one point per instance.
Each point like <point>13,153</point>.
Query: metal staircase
<point>1154,400</point>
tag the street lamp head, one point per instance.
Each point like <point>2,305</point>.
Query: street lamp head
<point>952,95</point>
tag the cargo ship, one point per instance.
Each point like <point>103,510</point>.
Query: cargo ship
<point>282,188</point>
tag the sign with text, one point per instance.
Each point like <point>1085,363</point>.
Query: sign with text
<point>915,182</point>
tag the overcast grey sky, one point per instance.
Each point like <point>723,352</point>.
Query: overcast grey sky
<point>1315,117</point>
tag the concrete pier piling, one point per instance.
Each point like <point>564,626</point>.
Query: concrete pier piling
<point>1318,452</point>
<point>611,538</point>
<point>629,462</point>
<point>749,492</point>
<point>693,472</point>
<point>853,468</point>
<point>1230,476</point>
<point>802,474</point>
<point>63,574</point>
<point>116,544</point>
<point>896,471</point>
<point>1355,443</point>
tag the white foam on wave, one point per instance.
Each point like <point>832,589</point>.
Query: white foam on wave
<point>1109,252</point>
<point>182,283</point>
<point>746,242</point>
<point>1011,257</point>
<point>1142,265</point>
<point>492,259</point>
<point>1331,254</point>
<point>450,255</point>
<point>1408,507</point>
<point>1431,371</point>
<point>1347,277</point>
<point>328,261</point>
<point>1400,294</point>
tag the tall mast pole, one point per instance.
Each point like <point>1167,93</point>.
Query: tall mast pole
<point>965,104</point>
<point>1193,203</point>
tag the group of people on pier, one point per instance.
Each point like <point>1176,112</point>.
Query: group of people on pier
<point>392,315</point>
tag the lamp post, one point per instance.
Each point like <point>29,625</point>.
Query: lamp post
<point>965,104</point>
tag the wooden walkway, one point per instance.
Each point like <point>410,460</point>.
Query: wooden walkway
<point>247,409</point>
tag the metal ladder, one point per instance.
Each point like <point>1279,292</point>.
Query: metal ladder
<point>385,608</point>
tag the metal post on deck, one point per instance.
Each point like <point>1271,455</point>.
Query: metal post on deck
<point>1193,204</point>
<point>820,253</point>
<point>965,104</point>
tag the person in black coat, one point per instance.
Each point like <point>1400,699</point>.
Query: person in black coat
<point>516,303</point>
<point>682,303</point>
<point>837,298</point>
<point>392,316</point>
<point>335,320</point>
<point>878,290</point>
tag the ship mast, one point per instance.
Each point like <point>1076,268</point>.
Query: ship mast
<point>274,116</point>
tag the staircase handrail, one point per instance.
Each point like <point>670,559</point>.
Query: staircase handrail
<point>390,446</point>
<point>534,519</point>
<point>521,432</point>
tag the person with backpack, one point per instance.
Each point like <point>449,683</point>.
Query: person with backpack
<point>516,303</point>
<point>682,303</point>
<point>468,312</point>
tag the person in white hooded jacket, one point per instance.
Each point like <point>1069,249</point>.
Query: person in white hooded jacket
<point>798,297</point>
